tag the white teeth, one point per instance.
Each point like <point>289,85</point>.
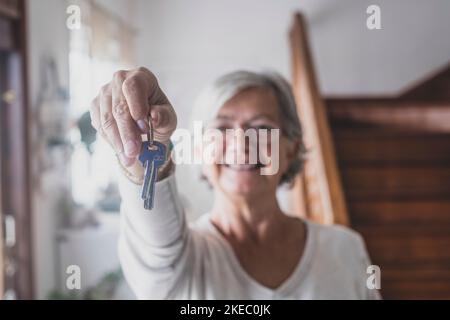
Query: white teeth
<point>242,167</point>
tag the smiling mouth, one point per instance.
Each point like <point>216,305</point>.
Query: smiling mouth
<point>244,167</point>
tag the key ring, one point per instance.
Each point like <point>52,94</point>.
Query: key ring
<point>150,137</point>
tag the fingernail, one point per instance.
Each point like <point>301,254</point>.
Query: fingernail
<point>143,125</point>
<point>155,119</point>
<point>131,148</point>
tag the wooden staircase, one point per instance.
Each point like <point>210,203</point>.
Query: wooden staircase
<point>389,162</point>
<point>397,185</point>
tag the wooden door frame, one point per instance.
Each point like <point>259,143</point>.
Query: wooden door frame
<point>15,179</point>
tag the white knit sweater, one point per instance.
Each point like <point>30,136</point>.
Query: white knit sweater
<point>164,258</point>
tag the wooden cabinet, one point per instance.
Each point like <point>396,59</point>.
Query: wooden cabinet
<point>10,8</point>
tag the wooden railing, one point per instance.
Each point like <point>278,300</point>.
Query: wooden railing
<point>317,193</point>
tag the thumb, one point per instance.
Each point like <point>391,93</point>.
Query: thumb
<point>164,120</point>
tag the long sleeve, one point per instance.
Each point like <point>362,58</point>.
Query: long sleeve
<point>154,245</point>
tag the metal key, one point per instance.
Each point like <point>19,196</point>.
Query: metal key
<point>152,157</point>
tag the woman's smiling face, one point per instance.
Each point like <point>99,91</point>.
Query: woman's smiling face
<point>255,109</point>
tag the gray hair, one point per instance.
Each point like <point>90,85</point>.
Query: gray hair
<point>214,96</point>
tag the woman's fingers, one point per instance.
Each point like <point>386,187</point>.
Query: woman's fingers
<point>120,112</point>
<point>108,125</point>
<point>126,126</point>
<point>141,89</point>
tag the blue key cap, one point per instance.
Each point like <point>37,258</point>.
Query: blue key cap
<point>152,157</point>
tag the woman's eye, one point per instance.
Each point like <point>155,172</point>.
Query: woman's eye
<point>264,127</point>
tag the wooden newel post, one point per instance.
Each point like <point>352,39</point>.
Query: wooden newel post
<point>317,193</point>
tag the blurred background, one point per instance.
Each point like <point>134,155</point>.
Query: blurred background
<point>375,104</point>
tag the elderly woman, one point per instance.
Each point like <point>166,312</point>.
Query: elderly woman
<point>246,247</point>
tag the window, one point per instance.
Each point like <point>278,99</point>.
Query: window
<point>100,47</point>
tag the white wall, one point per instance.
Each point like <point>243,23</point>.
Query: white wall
<point>189,43</point>
<point>200,38</point>
<point>354,60</point>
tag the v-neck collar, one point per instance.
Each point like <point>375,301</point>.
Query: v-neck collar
<point>290,283</point>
